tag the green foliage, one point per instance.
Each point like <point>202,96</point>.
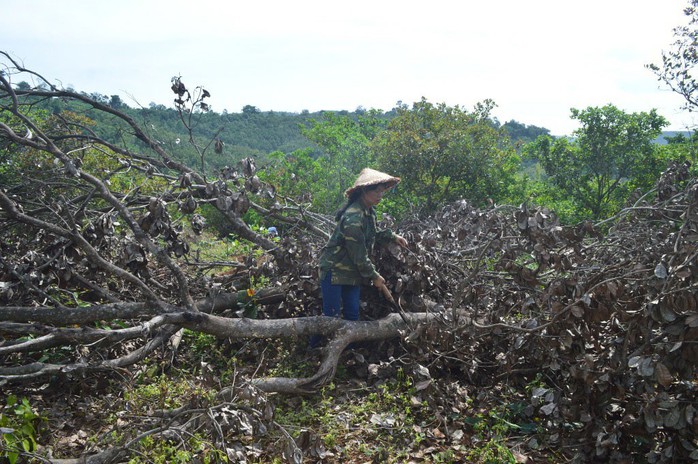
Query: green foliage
<point>207,354</point>
<point>389,416</point>
<point>161,394</point>
<point>523,133</point>
<point>299,175</point>
<point>19,163</point>
<point>246,134</point>
<point>319,182</point>
<point>664,155</point>
<point>613,152</point>
<point>541,193</point>
<point>346,144</point>
<point>444,153</point>
<point>247,300</point>
<point>19,428</point>
<point>194,449</point>
<point>202,344</point>
<point>492,452</point>
<point>681,148</point>
<point>493,427</point>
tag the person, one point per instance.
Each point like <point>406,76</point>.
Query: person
<point>345,261</point>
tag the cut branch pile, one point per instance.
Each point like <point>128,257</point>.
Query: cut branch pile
<point>596,329</point>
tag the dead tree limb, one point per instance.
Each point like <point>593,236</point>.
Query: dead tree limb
<point>342,333</point>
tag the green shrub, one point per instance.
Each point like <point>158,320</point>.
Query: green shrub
<point>19,428</point>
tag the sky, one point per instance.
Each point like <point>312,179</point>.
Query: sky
<point>535,59</point>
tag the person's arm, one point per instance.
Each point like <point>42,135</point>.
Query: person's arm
<point>400,240</point>
<point>386,236</point>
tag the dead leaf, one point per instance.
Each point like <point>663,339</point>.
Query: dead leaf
<point>664,377</point>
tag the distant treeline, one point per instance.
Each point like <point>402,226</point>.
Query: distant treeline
<point>249,133</point>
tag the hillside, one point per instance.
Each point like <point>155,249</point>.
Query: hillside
<point>258,133</point>
<point>249,133</point>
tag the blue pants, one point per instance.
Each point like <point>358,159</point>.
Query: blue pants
<point>338,297</point>
<point>338,300</point>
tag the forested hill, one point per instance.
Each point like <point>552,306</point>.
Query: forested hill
<point>261,132</point>
<point>251,132</point>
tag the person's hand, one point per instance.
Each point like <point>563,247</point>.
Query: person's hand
<point>379,282</point>
<point>400,240</point>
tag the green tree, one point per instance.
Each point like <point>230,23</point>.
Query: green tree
<point>686,145</point>
<point>250,109</point>
<point>116,102</point>
<point>443,153</point>
<point>523,133</point>
<point>295,175</point>
<point>612,153</point>
<point>19,162</point>
<point>345,141</point>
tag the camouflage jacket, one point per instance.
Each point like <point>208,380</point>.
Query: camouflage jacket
<point>347,253</point>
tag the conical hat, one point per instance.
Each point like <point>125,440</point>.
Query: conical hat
<point>369,176</point>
